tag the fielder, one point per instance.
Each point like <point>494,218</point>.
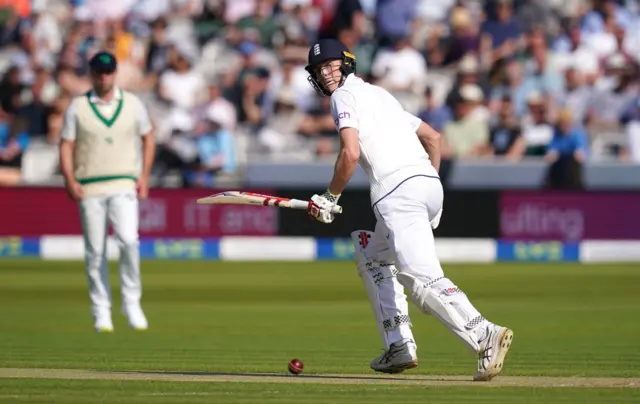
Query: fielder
<point>100,161</point>
<point>407,197</point>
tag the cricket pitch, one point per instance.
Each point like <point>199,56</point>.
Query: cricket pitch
<point>335,379</point>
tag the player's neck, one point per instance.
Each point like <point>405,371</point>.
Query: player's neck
<point>105,95</point>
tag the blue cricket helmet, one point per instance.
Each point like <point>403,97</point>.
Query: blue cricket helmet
<point>329,49</point>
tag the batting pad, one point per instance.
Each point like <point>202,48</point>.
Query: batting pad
<point>386,294</point>
<point>444,300</point>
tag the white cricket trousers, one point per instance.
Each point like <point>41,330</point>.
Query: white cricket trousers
<point>403,218</point>
<point>121,210</point>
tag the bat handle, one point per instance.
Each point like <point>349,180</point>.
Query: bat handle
<point>336,209</point>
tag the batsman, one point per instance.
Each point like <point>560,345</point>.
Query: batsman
<point>401,156</point>
<point>106,152</point>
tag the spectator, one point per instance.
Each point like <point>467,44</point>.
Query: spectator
<point>435,115</point>
<point>501,32</point>
<point>157,49</point>
<point>394,19</point>
<point>571,52</point>
<point>34,115</point>
<point>463,39</point>
<point>468,72</point>
<point>566,152</point>
<point>541,72</point>
<point>216,102</point>
<point>262,20</point>
<point>10,90</point>
<point>215,151</point>
<point>466,136</point>
<point>576,96</point>
<point>282,128</point>
<point>609,100</point>
<point>181,86</point>
<point>179,151</point>
<point>13,143</point>
<point>506,135</point>
<point>400,69</point>
<point>512,86</point>
<point>631,121</point>
<point>536,129</point>
<point>319,123</point>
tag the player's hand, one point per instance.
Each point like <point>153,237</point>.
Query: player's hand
<point>320,207</point>
<point>143,187</point>
<point>74,190</point>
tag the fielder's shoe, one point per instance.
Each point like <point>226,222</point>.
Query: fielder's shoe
<point>102,323</point>
<point>136,317</point>
<point>399,357</point>
<point>493,350</point>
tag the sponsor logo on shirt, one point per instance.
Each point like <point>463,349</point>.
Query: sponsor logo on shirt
<point>342,115</point>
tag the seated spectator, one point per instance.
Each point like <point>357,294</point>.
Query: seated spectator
<point>572,53</point>
<point>510,84</point>
<point>283,127</point>
<point>466,136</point>
<point>567,151</point>
<point>216,151</point>
<point>319,123</point>
<point>10,90</point>
<point>536,129</point>
<point>400,70</point>
<point>501,31</point>
<point>181,86</point>
<point>13,142</point>
<point>180,150</point>
<point>36,110</point>
<point>435,115</point>
<point>607,105</point>
<point>468,72</point>
<point>576,95</point>
<point>463,39</point>
<point>218,102</point>
<point>506,135</point>
<point>631,121</point>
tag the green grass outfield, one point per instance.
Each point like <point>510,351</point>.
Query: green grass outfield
<point>224,332</point>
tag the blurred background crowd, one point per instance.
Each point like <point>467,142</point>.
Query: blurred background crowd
<point>224,80</point>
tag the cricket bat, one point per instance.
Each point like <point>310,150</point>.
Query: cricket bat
<point>250,198</point>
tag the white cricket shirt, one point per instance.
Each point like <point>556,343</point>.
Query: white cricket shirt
<point>390,151</point>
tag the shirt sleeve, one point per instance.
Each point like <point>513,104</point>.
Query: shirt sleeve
<point>68,131</point>
<point>414,121</point>
<point>142,119</point>
<point>343,110</point>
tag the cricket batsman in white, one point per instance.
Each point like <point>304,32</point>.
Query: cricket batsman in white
<point>401,156</point>
<point>106,153</point>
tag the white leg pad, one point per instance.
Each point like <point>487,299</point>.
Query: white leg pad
<point>445,301</point>
<point>386,294</point>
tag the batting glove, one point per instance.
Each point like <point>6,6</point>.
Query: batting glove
<point>320,207</point>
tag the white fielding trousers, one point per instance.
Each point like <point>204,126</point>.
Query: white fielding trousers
<point>121,210</point>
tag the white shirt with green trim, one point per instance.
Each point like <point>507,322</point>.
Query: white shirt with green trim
<point>106,135</point>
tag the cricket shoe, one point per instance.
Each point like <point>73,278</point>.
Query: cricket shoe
<point>136,317</point>
<point>102,323</point>
<point>493,349</point>
<point>400,356</point>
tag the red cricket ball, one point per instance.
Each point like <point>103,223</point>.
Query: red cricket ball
<point>295,366</point>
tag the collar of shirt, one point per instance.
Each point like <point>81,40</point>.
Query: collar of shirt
<point>352,78</point>
<point>94,99</point>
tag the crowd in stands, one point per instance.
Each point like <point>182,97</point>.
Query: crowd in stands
<point>224,80</point>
